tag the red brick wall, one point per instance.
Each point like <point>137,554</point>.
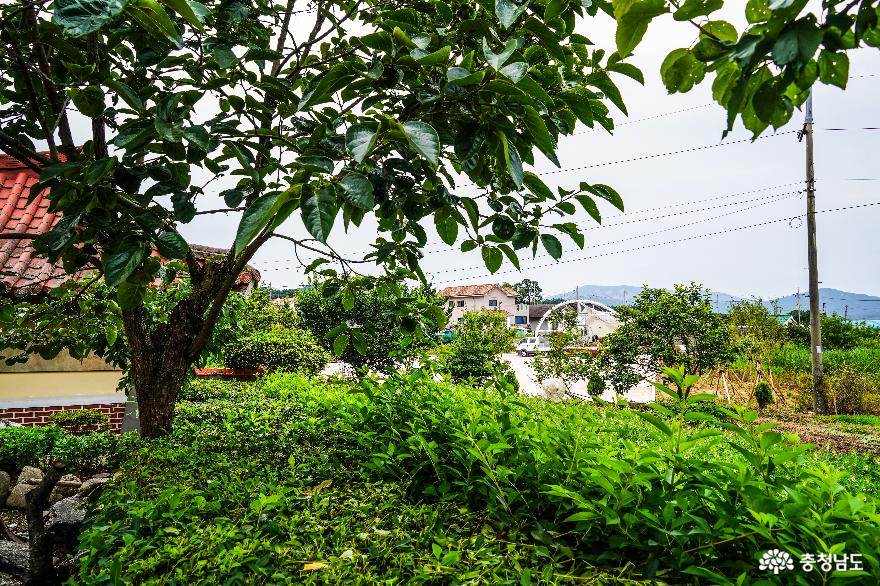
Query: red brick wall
<point>40,415</point>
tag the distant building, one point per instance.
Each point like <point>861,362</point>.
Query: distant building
<point>464,298</point>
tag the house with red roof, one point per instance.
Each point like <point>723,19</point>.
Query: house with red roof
<point>30,392</point>
<point>491,296</point>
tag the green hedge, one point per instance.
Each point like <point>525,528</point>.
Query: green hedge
<point>83,454</point>
<point>409,481</point>
<point>288,351</point>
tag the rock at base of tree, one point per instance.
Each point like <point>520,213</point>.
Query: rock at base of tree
<point>30,475</point>
<point>69,485</point>
<point>91,488</point>
<point>14,559</point>
<point>66,518</point>
<point>5,486</point>
<point>16,498</point>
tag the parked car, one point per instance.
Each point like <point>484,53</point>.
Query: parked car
<point>530,346</point>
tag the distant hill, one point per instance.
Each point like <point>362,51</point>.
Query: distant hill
<point>856,306</point>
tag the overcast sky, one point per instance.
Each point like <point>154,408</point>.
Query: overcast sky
<point>679,197</point>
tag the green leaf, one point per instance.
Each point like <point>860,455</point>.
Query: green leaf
<point>424,139</point>
<point>554,8</point>
<point>89,100</point>
<point>192,14</point>
<point>534,184</point>
<point>656,422</point>
<point>110,334</point>
<point>515,71</point>
<point>171,245</point>
<point>256,217</point>
<point>510,254</point>
<point>319,213</point>
<point>590,206</point>
<point>833,68</point>
<point>722,30</point>
<point>693,8</point>
<point>122,263</point>
<point>340,343</point>
<point>633,17</point>
<point>497,60</point>
<point>522,237</point>
<point>322,86</point>
<point>224,56</point>
<point>628,70</point>
<point>492,258</point>
<point>358,191</point>
<point>81,17</point>
<point>128,95</point>
<point>540,135</point>
<point>605,192</point>
<point>150,15</point>
<point>797,43</point>
<point>681,71</point>
<point>514,162</point>
<point>358,341</point>
<point>552,245</point>
<point>503,227</point>
<point>438,57</point>
<point>508,12</point>
<point>359,141</point>
<point>447,228</point>
<point>463,77</point>
<point>320,164</point>
<point>130,295</point>
<point>347,299</point>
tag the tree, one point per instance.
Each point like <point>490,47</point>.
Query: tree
<point>562,364</point>
<point>333,119</point>
<point>369,329</point>
<point>528,292</point>
<point>757,333</point>
<point>664,329</point>
<point>475,353</point>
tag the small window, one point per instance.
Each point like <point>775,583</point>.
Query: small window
<point>460,303</point>
<point>461,319</point>
<point>451,304</point>
<point>493,303</point>
<point>520,319</point>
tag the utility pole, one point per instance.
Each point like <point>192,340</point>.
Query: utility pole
<point>845,311</point>
<point>820,405</point>
<point>799,307</point>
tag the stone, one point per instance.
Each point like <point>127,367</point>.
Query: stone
<point>66,518</point>
<point>30,475</point>
<point>16,498</point>
<point>5,486</point>
<point>554,390</point>
<point>14,558</point>
<point>92,487</point>
<point>69,485</point>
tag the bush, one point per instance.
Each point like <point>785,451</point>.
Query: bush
<point>763,394</point>
<point>25,446</point>
<point>290,351</point>
<point>88,453</point>
<point>851,391</point>
<point>79,421</point>
<point>410,481</point>
<point>475,353</point>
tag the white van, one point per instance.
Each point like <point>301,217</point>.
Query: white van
<point>530,346</point>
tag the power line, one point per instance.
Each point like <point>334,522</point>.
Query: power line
<point>667,242</point>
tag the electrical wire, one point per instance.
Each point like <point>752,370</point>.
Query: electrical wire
<point>665,243</point>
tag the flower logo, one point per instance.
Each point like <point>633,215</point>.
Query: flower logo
<point>776,560</point>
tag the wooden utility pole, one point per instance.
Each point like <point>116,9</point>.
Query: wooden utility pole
<point>820,404</point>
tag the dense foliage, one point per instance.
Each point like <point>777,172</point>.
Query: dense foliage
<point>837,333</point>
<point>39,446</point>
<point>287,351</point>
<point>474,355</point>
<point>80,420</point>
<point>292,481</point>
<point>664,328</point>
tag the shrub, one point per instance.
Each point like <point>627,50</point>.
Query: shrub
<point>851,391</point>
<point>290,351</point>
<point>410,481</point>
<point>763,394</point>
<point>79,421</point>
<point>475,353</point>
<point>25,446</point>
<point>86,453</point>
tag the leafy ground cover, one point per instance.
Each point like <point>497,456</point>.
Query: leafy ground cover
<point>291,481</point>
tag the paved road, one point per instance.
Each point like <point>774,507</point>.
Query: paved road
<point>522,367</point>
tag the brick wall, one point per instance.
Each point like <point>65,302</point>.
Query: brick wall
<point>40,415</point>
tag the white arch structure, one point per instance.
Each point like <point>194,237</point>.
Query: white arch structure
<point>587,310</point>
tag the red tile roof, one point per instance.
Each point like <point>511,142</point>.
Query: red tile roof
<point>27,274</point>
<point>475,290</point>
